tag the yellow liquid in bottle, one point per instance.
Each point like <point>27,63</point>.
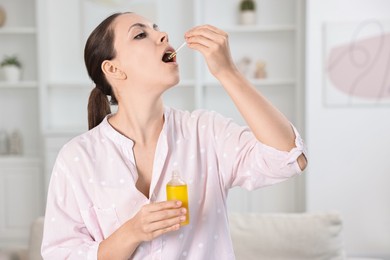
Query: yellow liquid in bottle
<point>179,192</point>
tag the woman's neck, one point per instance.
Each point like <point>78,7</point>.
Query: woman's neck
<point>142,123</point>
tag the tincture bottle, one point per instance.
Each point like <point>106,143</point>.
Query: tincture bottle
<point>177,190</point>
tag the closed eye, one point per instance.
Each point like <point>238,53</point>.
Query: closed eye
<point>140,36</point>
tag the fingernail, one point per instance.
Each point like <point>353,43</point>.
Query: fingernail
<point>183,210</point>
<point>178,203</point>
<point>182,218</point>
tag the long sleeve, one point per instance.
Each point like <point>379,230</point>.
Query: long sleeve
<point>246,162</point>
<point>65,234</point>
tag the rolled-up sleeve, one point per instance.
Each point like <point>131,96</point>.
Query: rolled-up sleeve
<point>65,234</point>
<point>280,164</point>
<point>244,161</point>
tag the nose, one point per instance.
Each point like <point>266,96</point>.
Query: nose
<point>164,37</point>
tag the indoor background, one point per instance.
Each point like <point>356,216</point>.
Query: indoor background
<point>324,64</point>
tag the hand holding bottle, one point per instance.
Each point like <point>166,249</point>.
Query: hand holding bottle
<point>177,190</point>
<point>151,221</point>
<point>156,219</point>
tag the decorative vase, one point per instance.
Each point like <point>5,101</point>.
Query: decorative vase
<point>260,71</point>
<point>15,143</point>
<point>248,17</point>
<point>244,65</point>
<point>11,73</point>
<point>3,142</point>
<point>2,16</point>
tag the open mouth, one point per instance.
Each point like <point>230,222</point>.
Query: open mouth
<point>166,57</point>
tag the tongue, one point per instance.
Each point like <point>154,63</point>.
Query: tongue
<point>165,58</point>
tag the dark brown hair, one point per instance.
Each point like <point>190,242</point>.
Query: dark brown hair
<point>98,48</point>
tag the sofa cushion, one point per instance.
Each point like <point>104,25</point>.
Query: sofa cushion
<point>287,236</point>
<point>13,254</point>
<point>36,235</point>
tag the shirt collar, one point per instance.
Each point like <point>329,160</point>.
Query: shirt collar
<point>119,138</point>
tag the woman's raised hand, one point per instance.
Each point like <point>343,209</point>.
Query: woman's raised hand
<point>213,43</point>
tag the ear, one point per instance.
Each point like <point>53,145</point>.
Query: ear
<point>112,71</point>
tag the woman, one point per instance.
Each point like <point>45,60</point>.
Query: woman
<point>107,195</point>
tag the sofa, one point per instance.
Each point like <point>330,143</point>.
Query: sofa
<point>293,236</point>
<point>278,236</point>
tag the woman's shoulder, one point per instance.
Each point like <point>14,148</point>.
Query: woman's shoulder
<point>87,141</point>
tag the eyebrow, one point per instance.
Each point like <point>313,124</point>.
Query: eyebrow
<point>155,26</point>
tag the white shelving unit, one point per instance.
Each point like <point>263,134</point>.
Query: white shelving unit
<point>276,40</point>
<point>19,101</point>
<point>21,194</point>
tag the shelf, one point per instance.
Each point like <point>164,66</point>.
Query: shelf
<point>19,159</point>
<point>260,28</point>
<point>71,85</point>
<point>272,82</point>
<point>19,85</point>
<point>186,83</point>
<point>90,85</point>
<point>18,30</point>
<point>60,132</point>
<point>260,82</point>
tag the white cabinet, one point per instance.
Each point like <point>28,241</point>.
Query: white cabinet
<point>276,39</point>
<point>19,101</point>
<point>20,199</point>
<point>21,195</point>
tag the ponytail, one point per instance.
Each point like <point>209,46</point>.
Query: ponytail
<point>98,107</point>
<point>98,48</point>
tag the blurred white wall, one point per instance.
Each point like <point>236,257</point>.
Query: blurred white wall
<point>348,139</point>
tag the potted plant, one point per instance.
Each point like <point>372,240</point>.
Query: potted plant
<point>11,67</point>
<point>247,12</point>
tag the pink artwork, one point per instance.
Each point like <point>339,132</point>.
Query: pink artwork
<point>357,63</point>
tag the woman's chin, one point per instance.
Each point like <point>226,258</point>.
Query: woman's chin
<point>169,82</point>
<point>174,81</point>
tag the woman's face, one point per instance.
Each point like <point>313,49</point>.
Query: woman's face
<point>140,47</point>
